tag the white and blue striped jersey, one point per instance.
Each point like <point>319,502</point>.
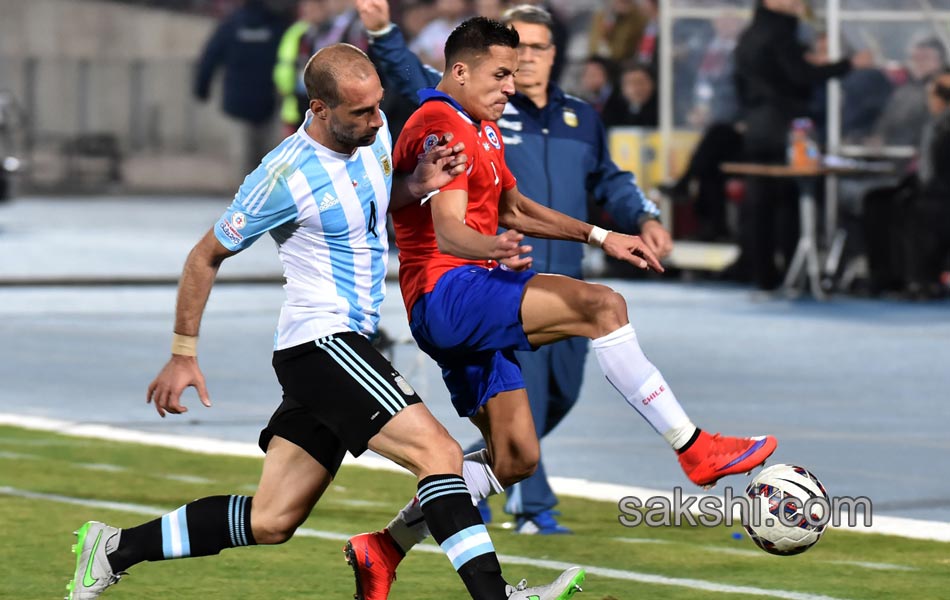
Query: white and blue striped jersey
<point>327,213</point>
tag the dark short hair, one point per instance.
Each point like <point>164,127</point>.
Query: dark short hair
<point>609,66</point>
<point>475,36</point>
<point>935,44</point>
<point>527,13</point>
<point>634,65</point>
<point>324,69</point>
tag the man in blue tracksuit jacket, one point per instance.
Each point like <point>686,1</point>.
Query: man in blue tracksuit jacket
<point>555,145</point>
<point>245,45</point>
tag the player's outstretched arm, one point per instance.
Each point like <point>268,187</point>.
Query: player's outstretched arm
<point>442,163</point>
<point>458,239</point>
<point>517,211</point>
<point>181,370</point>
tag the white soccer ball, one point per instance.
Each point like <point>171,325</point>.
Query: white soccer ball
<point>789,509</point>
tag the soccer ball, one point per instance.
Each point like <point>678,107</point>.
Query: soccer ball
<point>789,509</point>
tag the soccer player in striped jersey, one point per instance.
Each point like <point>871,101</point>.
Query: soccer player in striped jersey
<point>322,195</point>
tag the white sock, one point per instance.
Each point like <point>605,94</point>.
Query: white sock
<point>480,479</point>
<point>642,385</point>
<point>409,527</point>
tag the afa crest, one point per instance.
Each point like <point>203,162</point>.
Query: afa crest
<point>570,118</point>
<point>387,165</point>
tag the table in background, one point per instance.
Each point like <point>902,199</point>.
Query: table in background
<point>806,261</point>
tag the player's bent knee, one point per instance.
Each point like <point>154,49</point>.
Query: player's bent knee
<point>609,310</point>
<point>516,466</point>
<point>512,471</point>
<point>524,467</point>
<point>596,299</point>
<point>440,454</point>
<point>417,441</point>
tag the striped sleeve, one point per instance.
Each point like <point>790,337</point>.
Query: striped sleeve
<point>248,218</point>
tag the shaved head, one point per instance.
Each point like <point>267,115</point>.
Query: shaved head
<point>331,65</point>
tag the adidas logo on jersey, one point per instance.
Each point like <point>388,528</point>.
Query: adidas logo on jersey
<point>328,201</point>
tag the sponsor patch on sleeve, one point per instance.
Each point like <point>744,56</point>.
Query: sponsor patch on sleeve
<point>230,232</point>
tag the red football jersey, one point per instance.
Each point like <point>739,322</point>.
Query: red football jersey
<point>420,261</point>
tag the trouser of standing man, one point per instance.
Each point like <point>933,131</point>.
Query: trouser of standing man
<point>768,219</point>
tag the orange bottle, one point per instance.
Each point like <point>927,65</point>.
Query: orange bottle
<point>802,149</point>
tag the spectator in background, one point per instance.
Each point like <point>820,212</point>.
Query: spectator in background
<point>634,103</point>
<point>597,82</point>
<point>929,235</point>
<point>616,30</point>
<point>908,226</point>
<point>648,50</point>
<point>689,41</point>
<point>298,44</point>
<point>864,95</point>
<point>429,45</point>
<point>905,114</point>
<point>712,106</point>
<point>774,83</point>
<point>714,93</point>
<point>414,18</point>
<point>245,45</point>
<point>491,9</point>
<point>346,25</point>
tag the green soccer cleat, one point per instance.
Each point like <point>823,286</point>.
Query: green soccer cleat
<point>565,586</point>
<point>93,571</point>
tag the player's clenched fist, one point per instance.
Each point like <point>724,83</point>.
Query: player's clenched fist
<point>373,13</point>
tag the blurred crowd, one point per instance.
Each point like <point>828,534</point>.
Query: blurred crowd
<point>613,50</point>
<point>741,82</point>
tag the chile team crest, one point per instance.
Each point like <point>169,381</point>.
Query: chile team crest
<point>430,141</point>
<point>492,137</point>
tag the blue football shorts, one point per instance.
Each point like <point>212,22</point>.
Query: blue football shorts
<point>470,323</point>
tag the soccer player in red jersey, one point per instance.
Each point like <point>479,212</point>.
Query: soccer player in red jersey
<point>473,300</point>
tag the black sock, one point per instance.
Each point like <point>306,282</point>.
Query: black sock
<point>691,441</point>
<point>200,528</point>
<point>454,522</point>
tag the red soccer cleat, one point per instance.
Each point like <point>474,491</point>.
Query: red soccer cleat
<point>374,557</point>
<point>714,456</point>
